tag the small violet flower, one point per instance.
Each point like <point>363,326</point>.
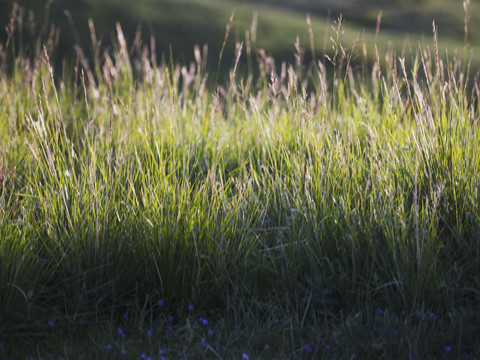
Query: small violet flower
<point>190,307</point>
<point>308,349</point>
<point>170,330</point>
<point>448,348</point>
<point>125,316</point>
<point>245,356</point>
<point>203,321</point>
<point>120,332</point>
<point>108,347</point>
<point>149,333</point>
<point>123,352</point>
<point>160,303</point>
<point>432,315</point>
<point>50,323</point>
<point>170,319</point>
<point>210,332</point>
<point>379,311</point>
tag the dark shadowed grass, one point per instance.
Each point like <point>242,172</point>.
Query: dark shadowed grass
<point>293,215</point>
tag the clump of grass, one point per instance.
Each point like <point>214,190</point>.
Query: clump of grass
<point>303,214</point>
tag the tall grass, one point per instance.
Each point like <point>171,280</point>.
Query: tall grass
<point>326,216</point>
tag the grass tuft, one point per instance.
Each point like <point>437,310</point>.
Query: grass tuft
<point>311,210</point>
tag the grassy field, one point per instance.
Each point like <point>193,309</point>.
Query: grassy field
<point>309,211</point>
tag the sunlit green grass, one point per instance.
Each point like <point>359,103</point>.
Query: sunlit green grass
<point>304,212</point>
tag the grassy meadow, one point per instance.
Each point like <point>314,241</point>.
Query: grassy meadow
<point>307,209</point>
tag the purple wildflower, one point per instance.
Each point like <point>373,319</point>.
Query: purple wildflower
<point>245,356</point>
<point>160,303</point>
<point>190,307</point>
<point>149,333</point>
<point>125,316</point>
<point>50,323</point>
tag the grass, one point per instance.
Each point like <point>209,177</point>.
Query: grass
<point>306,212</point>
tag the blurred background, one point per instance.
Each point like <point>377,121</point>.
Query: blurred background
<point>178,25</point>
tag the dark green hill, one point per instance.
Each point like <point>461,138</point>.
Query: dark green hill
<point>180,24</point>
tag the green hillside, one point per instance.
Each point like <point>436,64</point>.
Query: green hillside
<point>180,24</point>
